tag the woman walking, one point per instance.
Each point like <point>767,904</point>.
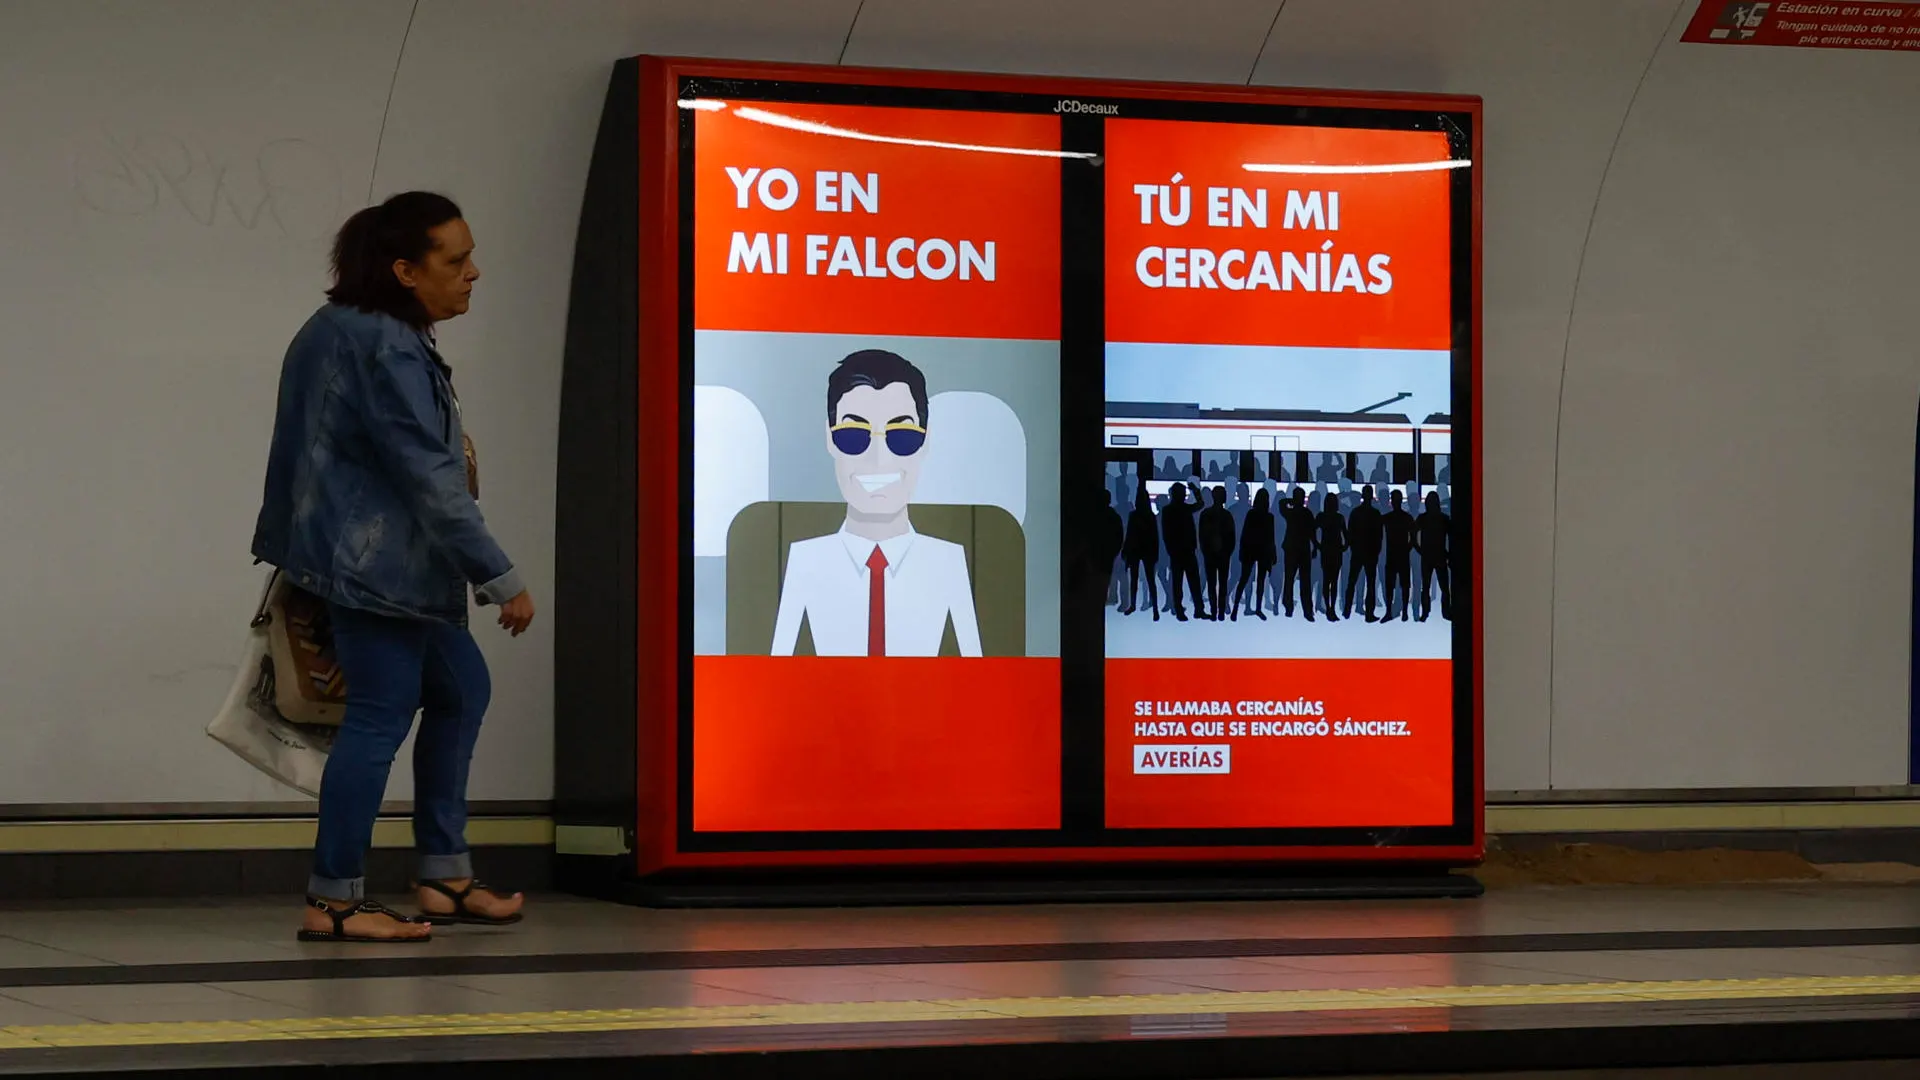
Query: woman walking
<point>370,505</point>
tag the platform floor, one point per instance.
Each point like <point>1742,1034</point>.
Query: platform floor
<point>1520,979</point>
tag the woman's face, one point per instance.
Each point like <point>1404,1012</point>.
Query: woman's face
<point>443,280</point>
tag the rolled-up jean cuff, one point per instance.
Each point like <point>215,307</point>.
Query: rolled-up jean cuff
<point>445,867</point>
<point>337,888</point>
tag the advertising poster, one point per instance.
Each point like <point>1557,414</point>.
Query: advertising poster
<point>876,481</point>
<point>1277,446</point>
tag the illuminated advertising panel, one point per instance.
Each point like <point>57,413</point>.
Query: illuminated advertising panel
<point>876,527</point>
<point>1278,399</point>
<point>1020,470</point>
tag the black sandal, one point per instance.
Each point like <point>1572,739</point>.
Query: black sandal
<point>360,907</point>
<point>460,914</point>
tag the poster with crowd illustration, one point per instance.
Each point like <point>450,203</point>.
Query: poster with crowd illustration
<point>1278,502</point>
<point>1279,371</point>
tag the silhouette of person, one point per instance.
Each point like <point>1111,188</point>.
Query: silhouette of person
<point>1430,539</point>
<point>1237,506</point>
<point>1216,550</point>
<point>1364,531</point>
<point>1169,469</point>
<point>1333,545</point>
<point>1163,571</point>
<point>1330,470</point>
<point>1198,501</point>
<point>1256,556</point>
<point>1118,495</point>
<point>1269,597</point>
<point>1398,527</point>
<point>1141,547</point>
<point>1180,536</point>
<point>1112,538</point>
<point>1380,476</point>
<point>1322,487</point>
<point>1297,553</point>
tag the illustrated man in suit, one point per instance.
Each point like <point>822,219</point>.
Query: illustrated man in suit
<point>876,587</point>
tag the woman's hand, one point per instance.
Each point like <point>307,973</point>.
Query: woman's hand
<point>517,614</point>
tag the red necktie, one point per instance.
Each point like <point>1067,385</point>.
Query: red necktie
<point>877,602</point>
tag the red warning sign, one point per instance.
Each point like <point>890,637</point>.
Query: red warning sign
<point>1807,24</point>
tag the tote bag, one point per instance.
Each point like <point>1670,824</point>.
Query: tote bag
<point>278,664</point>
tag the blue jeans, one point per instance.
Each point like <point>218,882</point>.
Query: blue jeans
<point>395,667</point>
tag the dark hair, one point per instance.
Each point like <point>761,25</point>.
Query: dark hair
<point>879,369</point>
<point>366,247</point>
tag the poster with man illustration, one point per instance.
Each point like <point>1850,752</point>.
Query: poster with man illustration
<point>876,528</point>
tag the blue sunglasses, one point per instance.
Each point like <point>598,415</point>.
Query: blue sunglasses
<point>853,437</point>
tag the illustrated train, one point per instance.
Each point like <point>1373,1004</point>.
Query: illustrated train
<point>1292,446</point>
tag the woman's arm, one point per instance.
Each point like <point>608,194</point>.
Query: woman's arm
<point>397,398</point>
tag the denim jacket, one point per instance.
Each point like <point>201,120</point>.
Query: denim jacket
<point>366,499</point>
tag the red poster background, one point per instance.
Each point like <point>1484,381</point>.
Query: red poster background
<point>1403,215</point>
<point>1287,781</point>
<point>1888,24</point>
<point>924,192</point>
<point>800,744</point>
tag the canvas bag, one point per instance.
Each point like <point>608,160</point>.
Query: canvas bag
<point>250,722</point>
<point>308,686</point>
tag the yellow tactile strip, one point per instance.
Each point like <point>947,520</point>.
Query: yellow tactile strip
<point>876,1012</point>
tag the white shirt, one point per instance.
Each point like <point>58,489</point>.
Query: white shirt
<point>827,583</point>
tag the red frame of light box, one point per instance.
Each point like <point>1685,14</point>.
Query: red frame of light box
<point>658,551</point>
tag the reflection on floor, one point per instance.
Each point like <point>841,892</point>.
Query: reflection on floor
<point>228,980</point>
